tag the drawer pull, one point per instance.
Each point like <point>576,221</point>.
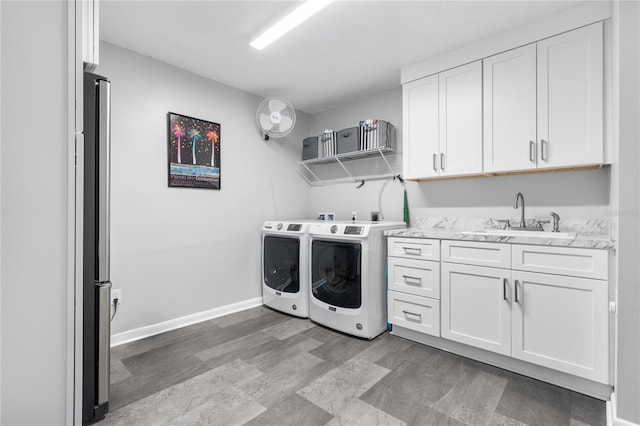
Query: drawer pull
<point>532,151</point>
<point>417,251</point>
<point>409,278</point>
<point>419,315</point>
<point>504,289</point>
<point>516,287</point>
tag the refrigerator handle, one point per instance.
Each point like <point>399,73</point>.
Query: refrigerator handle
<point>104,178</point>
<point>104,340</point>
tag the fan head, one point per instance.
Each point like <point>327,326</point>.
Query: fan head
<point>275,117</point>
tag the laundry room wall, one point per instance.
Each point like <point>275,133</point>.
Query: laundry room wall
<point>344,198</point>
<point>182,251</point>
<point>577,194</point>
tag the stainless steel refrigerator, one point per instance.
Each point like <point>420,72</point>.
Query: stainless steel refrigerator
<point>96,282</point>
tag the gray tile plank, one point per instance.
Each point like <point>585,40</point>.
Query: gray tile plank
<point>140,386</point>
<point>293,410</point>
<point>359,413</point>
<point>341,349</point>
<point>268,360</point>
<point>426,416</point>
<point>334,390</point>
<point>588,410</point>
<point>288,376</point>
<point>118,371</point>
<point>535,403</point>
<point>480,399</point>
<point>185,403</point>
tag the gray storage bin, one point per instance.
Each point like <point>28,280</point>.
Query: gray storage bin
<point>310,148</point>
<point>348,140</point>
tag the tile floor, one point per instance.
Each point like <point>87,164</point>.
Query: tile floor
<point>261,367</point>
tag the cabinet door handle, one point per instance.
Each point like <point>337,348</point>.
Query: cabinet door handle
<point>409,277</point>
<point>435,162</point>
<point>532,151</point>
<point>419,315</point>
<point>417,251</point>
<point>516,288</point>
<point>442,161</point>
<point>544,146</point>
<point>504,289</point>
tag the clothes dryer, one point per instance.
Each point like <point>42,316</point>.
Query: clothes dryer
<point>348,276</point>
<point>285,260</point>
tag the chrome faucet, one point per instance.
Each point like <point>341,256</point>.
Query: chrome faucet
<point>519,202</point>
<point>556,222</point>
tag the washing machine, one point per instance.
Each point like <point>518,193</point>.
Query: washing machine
<point>347,276</point>
<point>285,265</point>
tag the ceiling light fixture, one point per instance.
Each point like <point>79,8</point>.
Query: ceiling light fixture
<point>289,22</point>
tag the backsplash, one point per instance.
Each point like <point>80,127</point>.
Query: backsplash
<point>599,227</point>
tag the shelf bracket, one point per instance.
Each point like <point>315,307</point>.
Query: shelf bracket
<point>318,180</point>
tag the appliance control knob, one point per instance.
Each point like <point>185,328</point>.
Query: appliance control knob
<point>334,229</point>
<point>280,226</point>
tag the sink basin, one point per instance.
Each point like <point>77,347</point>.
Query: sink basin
<point>526,234</point>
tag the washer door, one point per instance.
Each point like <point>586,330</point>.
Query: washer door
<point>335,273</point>
<point>281,263</point>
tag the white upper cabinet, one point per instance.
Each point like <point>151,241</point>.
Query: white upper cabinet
<point>543,104</point>
<point>420,128</point>
<point>534,107</point>
<point>570,98</point>
<point>510,110</point>
<point>443,124</point>
<point>460,101</point>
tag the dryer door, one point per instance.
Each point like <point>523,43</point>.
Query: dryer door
<point>336,273</point>
<point>281,263</point>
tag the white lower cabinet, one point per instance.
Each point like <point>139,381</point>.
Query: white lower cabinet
<point>476,307</point>
<point>545,305</point>
<point>414,312</point>
<point>561,322</point>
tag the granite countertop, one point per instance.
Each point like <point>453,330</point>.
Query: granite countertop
<point>581,240</point>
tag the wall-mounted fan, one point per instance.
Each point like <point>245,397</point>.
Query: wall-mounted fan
<point>276,118</point>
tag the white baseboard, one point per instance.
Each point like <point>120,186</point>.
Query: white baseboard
<point>612,414</point>
<point>162,327</point>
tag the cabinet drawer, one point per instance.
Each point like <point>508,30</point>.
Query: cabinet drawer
<point>414,248</point>
<point>419,277</point>
<point>576,262</point>
<point>414,312</point>
<point>474,253</point>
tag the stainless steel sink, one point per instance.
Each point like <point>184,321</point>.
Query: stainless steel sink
<point>525,234</point>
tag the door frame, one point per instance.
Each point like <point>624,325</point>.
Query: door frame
<point>75,158</point>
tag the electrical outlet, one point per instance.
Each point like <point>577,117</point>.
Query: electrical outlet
<point>354,216</point>
<point>116,294</point>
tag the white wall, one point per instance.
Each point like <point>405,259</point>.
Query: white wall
<point>33,212</point>
<point>342,199</point>
<point>181,251</point>
<point>580,194</point>
<point>627,17</point>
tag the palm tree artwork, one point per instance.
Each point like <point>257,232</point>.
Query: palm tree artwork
<point>213,137</point>
<point>179,133</point>
<point>194,134</point>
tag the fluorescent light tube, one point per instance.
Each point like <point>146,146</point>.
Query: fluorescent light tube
<point>289,22</point>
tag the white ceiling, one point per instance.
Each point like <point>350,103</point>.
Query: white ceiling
<point>348,50</point>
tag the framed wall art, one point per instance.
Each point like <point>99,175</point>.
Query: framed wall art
<point>194,152</point>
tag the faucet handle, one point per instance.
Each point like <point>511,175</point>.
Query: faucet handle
<point>540,222</point>
<point>503,223</point>
<point>556,221</point>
